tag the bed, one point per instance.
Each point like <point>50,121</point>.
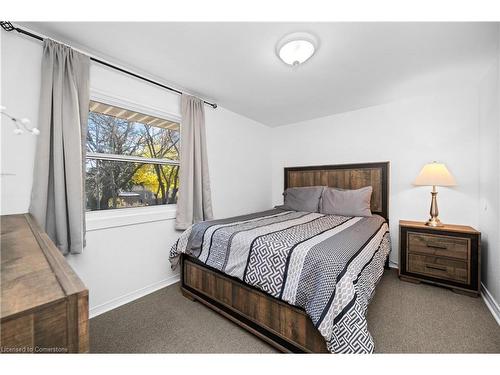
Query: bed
<point>301,281</point>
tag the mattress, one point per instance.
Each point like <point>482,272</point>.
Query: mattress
<point>328,265</point>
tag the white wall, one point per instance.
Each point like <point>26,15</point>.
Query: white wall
<point>409,133</point>
<point>489,175</point>
<point>20,86</point>
<point>127,256</point>
<point>239,150</point>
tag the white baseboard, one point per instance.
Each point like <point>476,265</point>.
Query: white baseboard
<point>393,264</point>
<point>490,303</point>
<point>129,297</point>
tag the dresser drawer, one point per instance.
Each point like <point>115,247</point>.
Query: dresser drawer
<point>438,245</point>
<point>437,267</point>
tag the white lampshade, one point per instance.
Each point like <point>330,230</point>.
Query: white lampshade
<point>435,174</point>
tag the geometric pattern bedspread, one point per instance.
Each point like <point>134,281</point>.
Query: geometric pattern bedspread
<point>327,265</point>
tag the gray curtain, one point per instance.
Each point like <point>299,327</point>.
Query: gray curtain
<point>57,196</point>
<point>194,203</point>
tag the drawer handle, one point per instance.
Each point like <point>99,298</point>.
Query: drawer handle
<point>437,246</point>
<point>436,268</point>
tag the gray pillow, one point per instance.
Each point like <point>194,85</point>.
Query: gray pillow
<point>303,198</point>
<point>346,202</point>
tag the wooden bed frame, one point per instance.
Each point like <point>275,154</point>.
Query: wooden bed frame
<point>284,326</point>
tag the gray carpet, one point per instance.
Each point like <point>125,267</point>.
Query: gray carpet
<point>403,318</point>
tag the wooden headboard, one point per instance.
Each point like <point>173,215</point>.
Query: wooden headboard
<point>346,176</point>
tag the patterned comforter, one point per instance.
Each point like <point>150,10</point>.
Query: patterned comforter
<point>325,264</point>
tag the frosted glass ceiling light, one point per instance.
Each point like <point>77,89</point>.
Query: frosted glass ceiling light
<point>296,48</point>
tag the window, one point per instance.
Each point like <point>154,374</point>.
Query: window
<point>132,159</point>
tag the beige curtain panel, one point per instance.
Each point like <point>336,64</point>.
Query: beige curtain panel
<point>194,203</point>
<point>57,197</point>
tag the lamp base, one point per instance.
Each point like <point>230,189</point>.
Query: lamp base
<point>434,222</point>
<point>434,212</point>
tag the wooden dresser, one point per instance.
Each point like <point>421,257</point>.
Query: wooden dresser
<point>44,305</point>
<point>448,256</point>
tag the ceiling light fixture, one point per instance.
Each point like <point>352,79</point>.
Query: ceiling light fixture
<point>296,48</point>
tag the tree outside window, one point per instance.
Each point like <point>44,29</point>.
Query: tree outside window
<point>132,159</point>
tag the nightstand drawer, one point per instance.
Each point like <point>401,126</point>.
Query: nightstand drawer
<point>437,267</point>
<point>438,245</point>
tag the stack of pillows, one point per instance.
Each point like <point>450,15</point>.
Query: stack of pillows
<point>331,201</point>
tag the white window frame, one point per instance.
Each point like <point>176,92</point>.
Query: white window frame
<point>97,220</point>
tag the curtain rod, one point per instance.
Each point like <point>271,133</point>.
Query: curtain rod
<point>8,26</point>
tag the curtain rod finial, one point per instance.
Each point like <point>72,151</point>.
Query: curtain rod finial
<point>7,26</point>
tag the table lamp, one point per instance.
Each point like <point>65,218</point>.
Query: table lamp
<point>434,174</point>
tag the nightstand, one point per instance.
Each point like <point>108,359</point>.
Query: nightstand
<point>448,256</point>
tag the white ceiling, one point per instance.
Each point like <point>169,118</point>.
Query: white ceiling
<point>235,64</point>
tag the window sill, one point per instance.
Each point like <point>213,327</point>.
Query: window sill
<point>97,220</point>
